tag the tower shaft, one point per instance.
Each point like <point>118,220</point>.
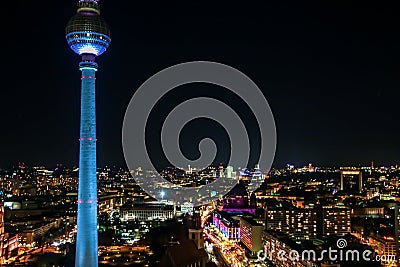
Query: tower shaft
<point>86,238</point>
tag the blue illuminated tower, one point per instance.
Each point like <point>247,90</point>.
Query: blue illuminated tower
<point>89,36</point>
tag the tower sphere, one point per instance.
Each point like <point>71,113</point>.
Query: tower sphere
<point>87,32</point>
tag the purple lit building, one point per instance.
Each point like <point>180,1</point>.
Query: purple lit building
<point>237,200</point>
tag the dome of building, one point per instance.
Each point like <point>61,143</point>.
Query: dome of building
<point>88,34</point>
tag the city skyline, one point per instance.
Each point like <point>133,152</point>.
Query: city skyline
<point>331,85</point>
<point>291,158</point>
<point>295,207</point>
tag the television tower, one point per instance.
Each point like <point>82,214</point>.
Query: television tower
<point>88,35</point>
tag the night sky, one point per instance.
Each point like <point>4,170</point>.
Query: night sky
<point>329,69</point>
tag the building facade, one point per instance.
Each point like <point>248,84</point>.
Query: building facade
<point>251,234</point>
<point>397,231</point>
<point>300,224</point>
<point>8,243</point>
<point>146,212</point>
<point>308,223</point>
<point>336,221</point>
<point>278,249</point>
<point>227,224</point>
<point>386,248</point>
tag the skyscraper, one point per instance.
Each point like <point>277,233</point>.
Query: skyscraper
<point>88,35</point>
<point>351,179</point>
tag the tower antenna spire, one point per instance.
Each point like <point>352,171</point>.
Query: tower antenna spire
<point>89,6</point>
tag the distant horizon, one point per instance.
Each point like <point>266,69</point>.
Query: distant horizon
<point>329,71</point>
<point>50,166</point>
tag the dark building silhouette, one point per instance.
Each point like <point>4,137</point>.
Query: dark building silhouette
<point>190,251</point>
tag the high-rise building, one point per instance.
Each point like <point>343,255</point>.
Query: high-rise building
<point>250,234</point>
<point>299,224</point>
<point>335,220</point>
<point>307,223</point>
<point>397,231</point>
<point>351,179</point>
<point>88,35</point>
<point>229,172</point>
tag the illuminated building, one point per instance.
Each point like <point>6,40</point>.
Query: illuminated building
<point>250,234</point>
<point>227,224</point>
<point>2,236</point>
<point>385,246</point>
<point>299,224</point>
<point>277,247</point>
<point>351,179</point>
<point>8,243</point>
<point>397,231</point>
<point>368,212</point>
<point>237,200</point>
<point>334,220</point>
<point>31,230</point>
<point>229,172</point>
<point>307,223</point>
<point>88,35</point>
<point>146,211</point>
